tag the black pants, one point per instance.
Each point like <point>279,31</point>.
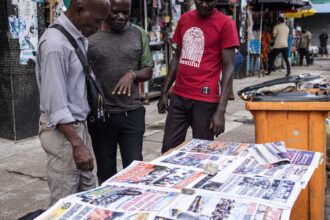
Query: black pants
<point>323,50</point>
<point>303,52</point>
<point>183,113</point>
<point>125,129</point>
<point>273,54</point>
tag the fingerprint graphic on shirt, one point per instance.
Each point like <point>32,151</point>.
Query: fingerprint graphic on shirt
<point>192,47</point>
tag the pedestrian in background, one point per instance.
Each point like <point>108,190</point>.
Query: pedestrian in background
<point>120,58</point>
<point>281,35</point>
<point>305,43</point>
<point>266,39</point>
<point>63,100</point>
<point>205,42</point>
<point>323,43</point>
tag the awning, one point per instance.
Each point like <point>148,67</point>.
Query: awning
<point>277,5</point>
<point>300,13</point>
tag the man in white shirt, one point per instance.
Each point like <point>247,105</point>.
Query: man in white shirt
<point>281,34</point>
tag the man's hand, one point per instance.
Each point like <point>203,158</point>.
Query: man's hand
<point>81,155</point>
<point>162,104</point>
<point>83,158</point>
<point>124,85</point>
<point>217,124</point>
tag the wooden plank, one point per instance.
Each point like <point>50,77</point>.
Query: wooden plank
<point>261,124</point>
<point>291,106</point>
<point>317,137</point>
<point>277,126</point>
<point>297,137</point>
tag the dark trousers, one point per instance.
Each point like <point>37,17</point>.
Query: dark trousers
<point>323,50</point>
<point>183,113</point>
<point>303,52</point>
<point>273,54</point>
<point>125,129</point>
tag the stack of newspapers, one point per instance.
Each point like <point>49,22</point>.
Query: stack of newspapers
<point>252,181</point>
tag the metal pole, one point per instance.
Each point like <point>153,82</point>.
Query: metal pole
<point>260,35</point>
<point>145,7</point>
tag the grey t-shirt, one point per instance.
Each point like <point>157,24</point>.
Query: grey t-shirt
<point>112,54</point>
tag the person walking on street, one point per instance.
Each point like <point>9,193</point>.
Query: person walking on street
<point>305,42</point>
<point>323,43</point>
<point>120,57</point>
<point>281,34</point>
<point>205,42</point>
<point>266,39</point>
<point>63,100</point>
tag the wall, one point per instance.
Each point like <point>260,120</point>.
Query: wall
<point>19,96</point>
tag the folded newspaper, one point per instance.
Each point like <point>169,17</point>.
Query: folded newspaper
<point>270,153</point>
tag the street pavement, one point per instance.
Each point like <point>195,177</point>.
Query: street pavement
<point>23,183</point>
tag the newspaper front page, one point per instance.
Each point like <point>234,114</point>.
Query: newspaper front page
<point>282,193</point>
<point>142,173</point>
<point>208,206</point>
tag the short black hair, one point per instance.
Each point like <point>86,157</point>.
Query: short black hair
<point>281,19</point>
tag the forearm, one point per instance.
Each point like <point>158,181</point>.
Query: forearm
<point>225,91</point>
<point>226,81</point>
<point>70,133</point>
<point>143,74</point>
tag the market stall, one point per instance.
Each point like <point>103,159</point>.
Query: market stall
<point>262,17</point>
<point>199,180</point>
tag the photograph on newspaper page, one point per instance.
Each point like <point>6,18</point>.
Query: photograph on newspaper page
<point>216,147</point>
<point>305,158</point>
<point>210,206</point>
<point>142,173</point>
<point>293,172</point>
<point>124,198</point>
<point>269,191</point>
<point>193,160</point>
<point>67,209</point>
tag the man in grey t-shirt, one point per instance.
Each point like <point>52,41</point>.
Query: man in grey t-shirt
<point>120,57</point>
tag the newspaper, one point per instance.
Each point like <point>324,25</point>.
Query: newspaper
<point>270,153</point>
<point>67,209</point>
<point>142,173</point>
<point>207,206</point>
<point>197,160</point>
<point>300,170</point>
<point>282,193</point>
<point>307,158</point>
<point>124,198</point>
<point>244,187</point>
<point>216,147</point>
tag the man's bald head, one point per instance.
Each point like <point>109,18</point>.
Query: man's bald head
<point>87,15</point>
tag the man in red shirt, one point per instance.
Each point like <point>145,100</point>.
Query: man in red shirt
<point>205,42</point>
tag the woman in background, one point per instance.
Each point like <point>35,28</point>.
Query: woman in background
<point>266,39</point>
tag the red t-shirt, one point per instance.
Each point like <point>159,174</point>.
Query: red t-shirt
<point>202,40</point>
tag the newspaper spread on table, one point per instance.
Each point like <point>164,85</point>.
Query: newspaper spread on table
<point>245,186</point>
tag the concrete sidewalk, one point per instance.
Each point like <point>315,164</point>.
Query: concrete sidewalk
<point>23,184</point>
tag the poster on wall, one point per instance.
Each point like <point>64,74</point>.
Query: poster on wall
<point>28,37</point>
<point>15,26</point>
<point>25,56</point>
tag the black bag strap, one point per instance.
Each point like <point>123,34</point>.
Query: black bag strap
<point>81,56</point>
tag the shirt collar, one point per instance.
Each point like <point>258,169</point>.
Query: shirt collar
<point>69,26</point>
